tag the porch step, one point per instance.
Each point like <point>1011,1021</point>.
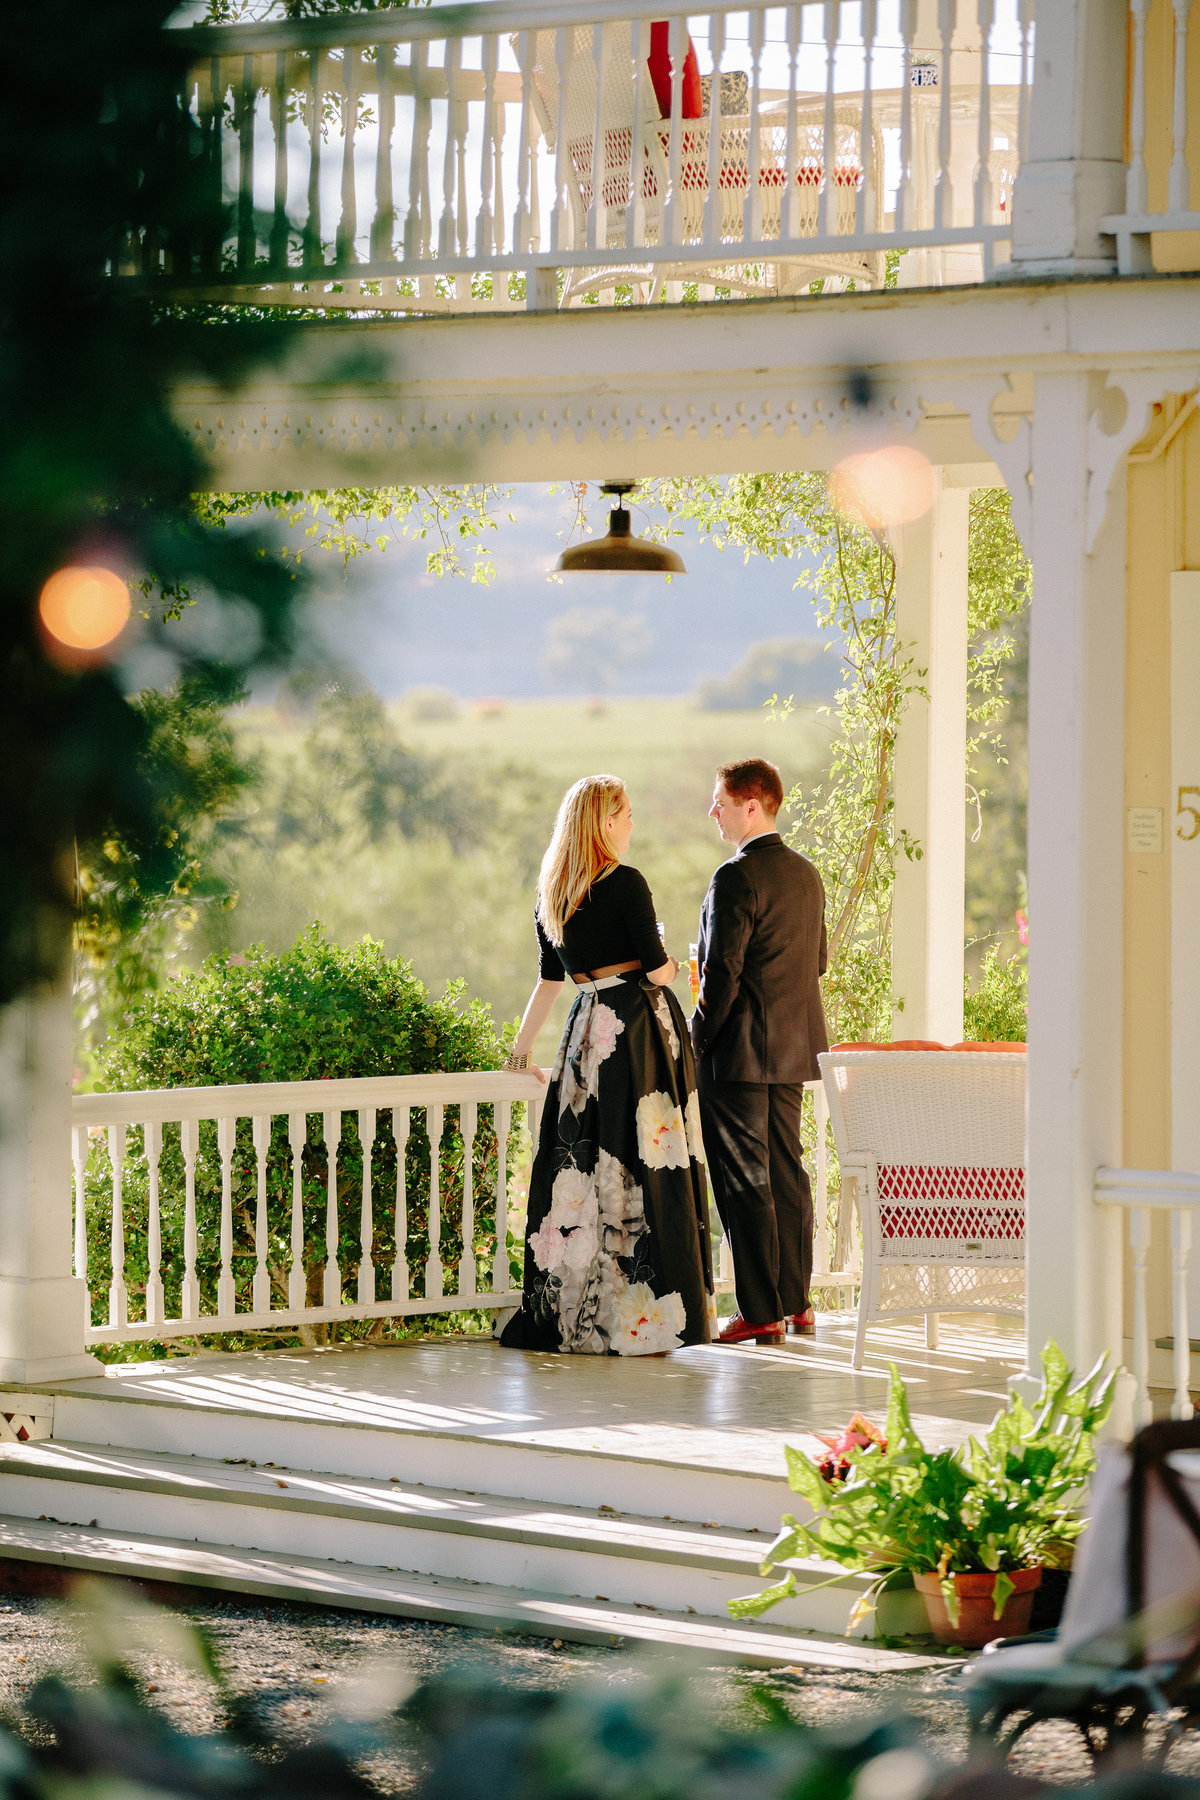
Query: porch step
<point>258,1421</point>
<point>480,1605</point>
<point>589,1554</point>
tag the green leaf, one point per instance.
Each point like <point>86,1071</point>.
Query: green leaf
<point>805,1479</point>
<point>752,1606</point>
<point>1000,1594</point>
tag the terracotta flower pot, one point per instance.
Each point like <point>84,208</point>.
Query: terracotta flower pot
<point>976,1626</point>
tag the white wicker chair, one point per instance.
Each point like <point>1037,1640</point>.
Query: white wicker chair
<point>575,98</point>
<point>936,1142</point>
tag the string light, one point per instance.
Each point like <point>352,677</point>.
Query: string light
<point>82,611</point>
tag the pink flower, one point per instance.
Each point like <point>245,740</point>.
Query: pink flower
<point>548,1245</point>
<point>1022,927</point>
<point>859,1434</point>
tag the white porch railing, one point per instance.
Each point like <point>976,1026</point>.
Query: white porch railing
<point>221,1209</point>
<point>540,152</point>
<point>1157,198</point>
<point>1143,1192</point>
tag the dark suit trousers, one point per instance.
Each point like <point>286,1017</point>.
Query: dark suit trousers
<point>752,1142</point>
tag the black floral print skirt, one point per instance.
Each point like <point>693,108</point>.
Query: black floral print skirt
<point>617,1254</point>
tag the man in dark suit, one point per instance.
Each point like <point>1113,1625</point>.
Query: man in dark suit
<point>757,1030</point>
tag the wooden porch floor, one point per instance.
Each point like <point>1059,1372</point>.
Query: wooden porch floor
<point>711,1408</point>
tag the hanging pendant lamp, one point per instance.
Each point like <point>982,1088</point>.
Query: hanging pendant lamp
<point>620,550</point>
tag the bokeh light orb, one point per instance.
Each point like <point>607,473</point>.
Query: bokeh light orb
<point>893,485</point>
<point>82,610</point>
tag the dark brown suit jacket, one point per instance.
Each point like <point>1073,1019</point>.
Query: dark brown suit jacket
<point>762,951</point>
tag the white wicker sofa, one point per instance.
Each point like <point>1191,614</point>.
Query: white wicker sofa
<point>935,1141</point>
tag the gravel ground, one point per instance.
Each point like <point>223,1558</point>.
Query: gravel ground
<point>303,1664</point>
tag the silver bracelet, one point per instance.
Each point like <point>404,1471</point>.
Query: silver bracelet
<point>514,1064</point>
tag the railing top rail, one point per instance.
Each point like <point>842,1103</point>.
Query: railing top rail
<point>478,19</point>
<point>270,1098</point>
<point>1147,1187</point>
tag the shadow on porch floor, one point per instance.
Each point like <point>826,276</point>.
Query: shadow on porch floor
<point>710,1407</point>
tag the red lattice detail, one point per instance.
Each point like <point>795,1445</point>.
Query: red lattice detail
<point>955,1203</point>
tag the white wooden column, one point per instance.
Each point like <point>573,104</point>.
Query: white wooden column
<point>931,776</point>
<point>1182,841</point>
<point>41,1301</point>
<point>1073,169</point>
<point>1075,860</point>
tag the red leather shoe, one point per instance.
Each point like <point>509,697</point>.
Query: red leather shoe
<point>803,1324</point>
<point>736,1331</point>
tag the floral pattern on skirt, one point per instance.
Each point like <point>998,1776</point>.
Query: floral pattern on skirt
<point>617,1253</point>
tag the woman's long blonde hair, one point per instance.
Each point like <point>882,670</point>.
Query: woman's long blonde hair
<point>579,852</point>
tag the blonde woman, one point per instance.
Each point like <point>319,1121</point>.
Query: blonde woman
<point>617,1254</point>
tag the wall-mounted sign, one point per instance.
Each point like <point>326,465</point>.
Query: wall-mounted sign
<point>923,75</point>
<point>1144,831</point>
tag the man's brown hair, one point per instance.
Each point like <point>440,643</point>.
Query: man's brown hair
<point>753,779</point>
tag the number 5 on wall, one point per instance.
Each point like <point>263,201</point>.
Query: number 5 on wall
<point>1191,812</point>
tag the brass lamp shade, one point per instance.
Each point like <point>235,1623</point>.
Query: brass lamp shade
<point>620,550</point>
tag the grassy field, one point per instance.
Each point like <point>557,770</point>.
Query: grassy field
<point>468,912</point>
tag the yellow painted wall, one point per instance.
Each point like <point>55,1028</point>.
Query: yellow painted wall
<point>1163,535</point>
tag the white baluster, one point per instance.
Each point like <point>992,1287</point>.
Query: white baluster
<point>277,250</point>
<point>712,196</point>
<point>821,1178</point>
<point>943,193</point>
<point>401,1126</point>
<point>1181,1244</point>
<point>1136,189</point>
<point>985,12</point>
<point>904,194</point>
<point>332,1294</point>
<point>383,225</point>
<point>366,1230</point>
<point>561,235</point>
<point>468,1118</point>
<point>501,1275</point>
<point>677,51</point>
<point>347,230</point>
<point>118,1298</point>
<point>245,96</point>
<point>522,231</point>
<point>1177,181</point>
<point>260,1129</point>
<point>597,216</point>
<point>789,212</point>
<point>297,1282</point>
<point>644,109</point>
<point>865,219</point>
<point>447,226</point>
<point>312,251</point>
<point>827,204</point>
<point>434,1279</point>
<point>226,1139</point>
<point>1139,1239</point>
<point>79,1152</point>
<point>485,233</point>
<point>752,207</point>
<point>416,222</point>
<point>155,1303</point>
<point>189,1294</point>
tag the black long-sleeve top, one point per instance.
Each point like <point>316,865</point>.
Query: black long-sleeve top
<point>613,923</point>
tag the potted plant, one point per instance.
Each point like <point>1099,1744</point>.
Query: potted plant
<point>974,1526</point>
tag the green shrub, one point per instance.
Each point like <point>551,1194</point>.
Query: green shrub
<point>997,1011</point>
<point>314,1012</point>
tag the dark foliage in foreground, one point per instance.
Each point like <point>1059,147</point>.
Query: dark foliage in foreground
<point>475,1739</point>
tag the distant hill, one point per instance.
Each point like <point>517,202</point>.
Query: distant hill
<point>801,667</point>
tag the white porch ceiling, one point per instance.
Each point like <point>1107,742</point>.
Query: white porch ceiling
<point>709,389</point>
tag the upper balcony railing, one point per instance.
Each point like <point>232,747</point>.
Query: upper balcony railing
<point>1164,64</point>
<point>561,152</point>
